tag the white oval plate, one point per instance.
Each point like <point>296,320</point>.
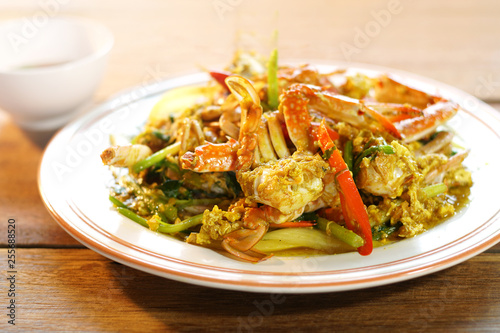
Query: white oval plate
<point>74,186</point>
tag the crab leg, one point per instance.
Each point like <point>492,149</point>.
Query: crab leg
<point>266,150</point>
<point>294,108</point>
<point>386,123</point>
<point>390,90</point>
<point>232,155</point>
<point>340,107</point>
<point>337,107</point>
<point>230,115</point>
<point>435,115</point>
<point>277,136</point>
<point>436,110</point>
<point>211,157</point>
<point>441,140</point>
<point>395,112</point>
<point>125,156</point>
<point>240,242</point>
<point>453,162</point>
<point>251,114</point>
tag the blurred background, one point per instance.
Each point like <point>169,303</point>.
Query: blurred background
<point>456,42</point>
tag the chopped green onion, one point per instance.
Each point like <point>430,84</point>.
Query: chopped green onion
<point>117,202</point>
<point>186,224</point>
<point>272,81</point>
<point>328,153</point>
<point>156,157</point>
<point>382,231</point>
<point>348,154</point>
<point>163,227</point>
<point>162,216</point>
<point>432,190</point>
<point>347,236</point>
<point>170,188</point>
<point>161,136</point>
<point>368,144</point>
<point>170,213</point>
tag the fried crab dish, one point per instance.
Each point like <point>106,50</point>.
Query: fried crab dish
<point>269,160</point>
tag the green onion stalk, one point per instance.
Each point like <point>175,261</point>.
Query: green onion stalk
<point>163,227</point>
<point>272,81</point>
<point>157,157</point>
<point>347,236</point>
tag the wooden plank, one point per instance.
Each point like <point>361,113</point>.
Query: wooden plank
<point>77,289</point>
<point>19,197</point>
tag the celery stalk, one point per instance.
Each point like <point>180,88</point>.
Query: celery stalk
<point>289,238</point>
<point>432,190</point>
<point>345,235</point>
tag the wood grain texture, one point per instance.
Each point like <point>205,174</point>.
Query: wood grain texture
<point>19,196</point>
<point>77,289</point>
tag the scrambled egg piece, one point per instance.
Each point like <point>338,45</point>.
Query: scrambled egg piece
<point>288,184</point>
<point>216,223</point>
<point>430,162</point>
<point>458,177</point>
<point>356,86</point>
<point>420,215</point>
<point>415,213</point>
<point>386,174</point>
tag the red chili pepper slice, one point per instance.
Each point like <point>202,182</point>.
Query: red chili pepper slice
<point>220,77</point>
<point>333,134</point>
<point>353,209</point>
<point>293,224</point>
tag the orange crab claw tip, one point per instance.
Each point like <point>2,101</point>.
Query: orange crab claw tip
<point>245,239</point>
<point>298,224</point>
<point>242,89</point>
<point>249,255</point>
<point>188,160</point>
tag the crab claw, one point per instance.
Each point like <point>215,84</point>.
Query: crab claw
<point>211,157</point>
<point>240,242</point>
<point>242,89</point>
<point>395,112</point>
<point>251,114</point>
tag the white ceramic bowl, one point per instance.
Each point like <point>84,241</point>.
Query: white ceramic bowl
<point>49,69</point>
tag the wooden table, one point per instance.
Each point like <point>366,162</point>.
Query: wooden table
<point>61,285</point>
